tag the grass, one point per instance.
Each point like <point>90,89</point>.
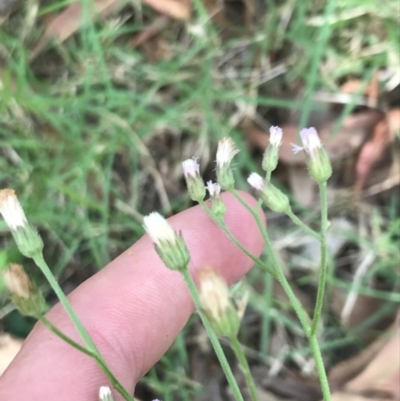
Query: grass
<point>92,132</point>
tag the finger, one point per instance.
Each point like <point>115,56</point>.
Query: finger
<point>133,308</point>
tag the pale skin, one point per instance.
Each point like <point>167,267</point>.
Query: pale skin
<point>134,308</point>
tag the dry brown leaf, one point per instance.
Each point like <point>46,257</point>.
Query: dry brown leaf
<point>373,150</point>
<point>382,375</point>
<point>152,30</point>
<point>63,25</point>
<point>376,370</point>
<point>9,347</point>
<point>178,9</point>
<point>371,91</point>
<point>302,188</point>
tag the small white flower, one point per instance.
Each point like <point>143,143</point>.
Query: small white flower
<point>225,152</point>
<point>11,210</point>
<point>158,229</point>
<point>214,189</point>
<point>256,181</point>
<point>275,138</point>
<point>190,168</point>
<point>105,394</point>
<point>310,140</point>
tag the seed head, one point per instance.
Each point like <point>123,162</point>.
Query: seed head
<point>225,152</point>
<point>11,210</point>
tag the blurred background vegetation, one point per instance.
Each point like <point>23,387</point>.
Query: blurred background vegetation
<point>101,100</point>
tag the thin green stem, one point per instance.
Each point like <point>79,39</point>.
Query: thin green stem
<point>299,310</point>
<point>114,381</point>
<point>238,350</point>
<point>220,222</point>
<point>213,337</point>
<point>41,263</point>
<point>323,267</point>
<point>268,176</point>
<point>266,317</point>
<point>319,364</point>
<point>91,347</point>
<point>302,225</point>
<point>312,76</point>
<point>275,263</point>
<point>64,337</point>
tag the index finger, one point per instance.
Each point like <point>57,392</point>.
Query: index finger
<point>133,309</point>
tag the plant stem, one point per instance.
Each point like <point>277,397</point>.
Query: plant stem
<point>300,312</point>
<point>302,225</point>
<point>238,350</point>
<point>220,222</point>
<point>213,337</point>
<point>116,384</point>
<point>319,364</point>
<point>323,267</point>
<point>266,317</point>
<point>63,336</point>
<point>91,347</point>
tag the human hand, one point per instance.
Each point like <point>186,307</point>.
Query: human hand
<point>134,308</point>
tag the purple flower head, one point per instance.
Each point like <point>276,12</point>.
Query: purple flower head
<point>191,168</point>
<point>311,141</point>
<point>275,137</point>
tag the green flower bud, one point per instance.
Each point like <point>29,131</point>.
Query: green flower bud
<point>217,305</point>
<point>318,162</point>
<point>273,197</point>
<point>169,245</point>
<point>24,293</point>
<point>218,206</point>
<point>28,240</point>
<point>195,185</point>
<point>271,154</point>
<point>225,153</point>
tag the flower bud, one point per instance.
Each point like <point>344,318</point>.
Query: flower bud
<point>273,197</point>
<point>105,394</point>
<point>318,162</point>
<point>271,154</point>
<point>225,153</point>
<point>217,304</point>
<point>169,245</point>
<point>217,204</point>
<point>194,182</point>
<point>26,237</point>
<point>24,294</point>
